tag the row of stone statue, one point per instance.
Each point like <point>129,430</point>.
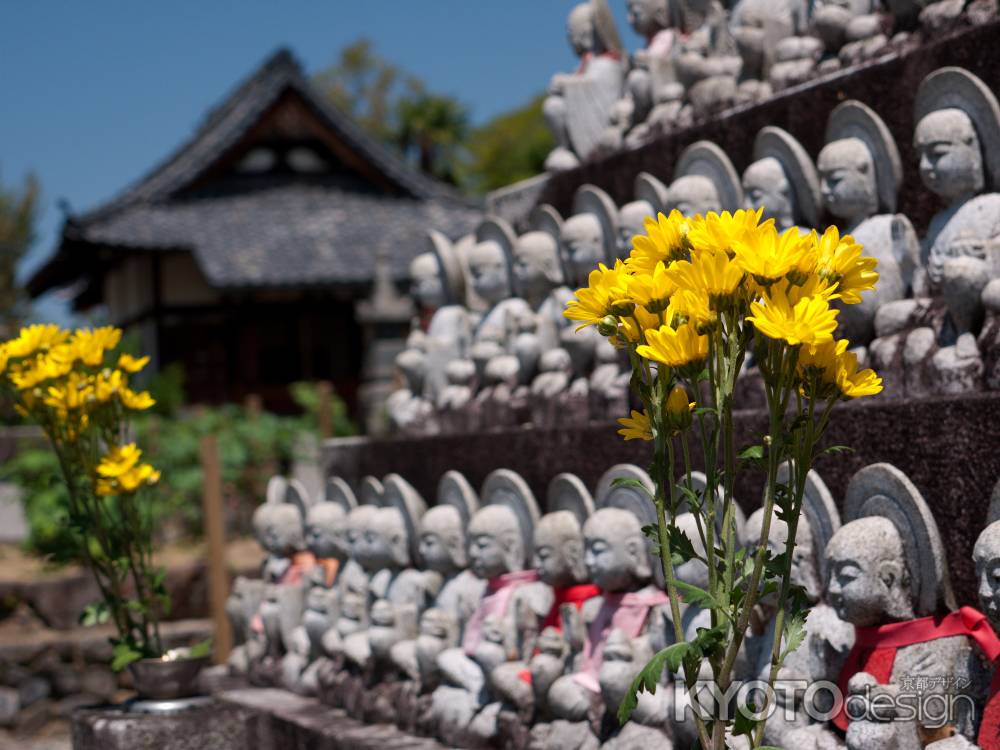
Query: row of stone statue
<point>494,349</point>
<point>485,623</point>
<point>702,58</point>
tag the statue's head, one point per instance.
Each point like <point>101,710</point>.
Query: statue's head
<point>616,556</point>
<point>986,556</point>
<point>357,521</point>
<point>581,29</point>
<point>412,364</point>
<point>631,218</point>
<point>766,184</point>
<point>693,194</point>
<point>805,571</point>
<point>489,272</point>
<point>648,17</point>
<point>279,528</point>
<point>831,17</point>
<point>951,158</point>
<point>582,243</point>
<point>536,265</point>
<point>496,543</point>
<point>869,579</point>
<point>319,612</point>
<point>442,540</point>
<point>385,542</point>
<point>847,179</point>
<point>326,531</point>
<point>426,282</point>
<point>559,549</point>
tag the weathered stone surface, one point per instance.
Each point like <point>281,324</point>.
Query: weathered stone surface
<point>280,720</point>
<point>10,704</point>
<point>218,726</point>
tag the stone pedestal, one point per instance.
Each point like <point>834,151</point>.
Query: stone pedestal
<point>258,718</point>
<point>218,725</point>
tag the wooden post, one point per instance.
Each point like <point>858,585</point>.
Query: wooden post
<point>325,389</point>
<point>215,547</point>
<point>254,405</point>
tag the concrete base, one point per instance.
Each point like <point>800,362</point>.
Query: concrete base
<point>257,718</point>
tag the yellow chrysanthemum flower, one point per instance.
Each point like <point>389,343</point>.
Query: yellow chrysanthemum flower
<point>4,358</point>
<point>135,401</point>
<point>663,242</point>
<point>833,372</point>
<point>675,348</point>
<point>606,287</point>
<point>720,232</point>
<point>27,374</point>
<point>840,260</point>
<point>131,364</point>
<point>107,384</point>
<point>33,338</point>
<point>652,291</point>
<point>854,384</point>
<point>769,256</point>
<point>636,427</point>
<point>91,344</point>
<point>119,460</point>
<point>646,321</point>
<point>130,481</point>
<point>71,394</point>
<point>689,306</point>
<point>810,320</point>
<point>709,273</point>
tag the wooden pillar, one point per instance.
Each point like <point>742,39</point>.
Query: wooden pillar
<point>215,547</point>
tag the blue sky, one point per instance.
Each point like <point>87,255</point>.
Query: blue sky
<point>96,92</point>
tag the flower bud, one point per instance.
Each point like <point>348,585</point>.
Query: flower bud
<point>608,325</point>
<point>678,409</point>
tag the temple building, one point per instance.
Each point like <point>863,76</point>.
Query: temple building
<point>244,253</point>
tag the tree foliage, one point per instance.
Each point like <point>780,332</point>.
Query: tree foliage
<point>432,129</point>
<point>18,217</point>
<point>510,147</point>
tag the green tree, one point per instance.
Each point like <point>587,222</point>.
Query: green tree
<point>397,108</point>
<point>510,147</point>
<point>434,127</point>
<point>18,217</point>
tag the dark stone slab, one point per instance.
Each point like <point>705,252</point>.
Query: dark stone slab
<point>219,726</point>
<point>285,721</point>
<point>888,84</point>
<point>949,447</point>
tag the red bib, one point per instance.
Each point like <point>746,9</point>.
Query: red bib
<point>875,648</point>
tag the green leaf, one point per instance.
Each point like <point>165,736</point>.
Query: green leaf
<point>200,649</point>
<point>696,596</point>
<point>122,655</point>
<point>647,680</point>
<point>681,545</point>
<point>744,724</point>
<point>837,449</point>
<point>794,635</point>
<point>633,483</point>
<point>752,452</point>
<point>94,614</point>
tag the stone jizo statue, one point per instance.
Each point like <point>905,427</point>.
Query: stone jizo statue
<point>860,172</point>
<point>579,104</point>
<point>704,180</point>
<point>782,179</point>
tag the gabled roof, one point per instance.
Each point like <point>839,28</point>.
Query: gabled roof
<point>278,231</point>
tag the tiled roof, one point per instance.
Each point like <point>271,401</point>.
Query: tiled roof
<point>279,231</point>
